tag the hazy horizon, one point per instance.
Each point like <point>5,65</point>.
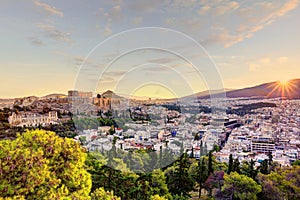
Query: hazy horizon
<point>140,97</point>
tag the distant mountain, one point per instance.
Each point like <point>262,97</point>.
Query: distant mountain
<point>110,94</point>
<point>207,93</point>
<point>290,90</point>
<point>49,96</point>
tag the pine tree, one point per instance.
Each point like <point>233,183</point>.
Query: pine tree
<point>179,180</point>
<point>238,186</point>
<point>40,165</point>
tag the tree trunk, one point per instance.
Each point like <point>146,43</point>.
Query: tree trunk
<point>200,189</point>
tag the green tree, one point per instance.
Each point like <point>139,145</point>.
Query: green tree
<point>216,148</point>
<point>201,175</point>
<point>270,158</point>
<point>158,184</point>
<point>215,181</point>
<point>179,175</point>
<point>142,186</point>
<point>192,153</point>
<point>272,186</point>
<point>240,186</point>
<point>252,171</point>
<point>38,164</point>
<point>295,163</point>
<point>283,184</point>
<point>210,163</point>
<point>197,137</point>
<point>248,169</point>
<point>157,197</point>
<point>101,194</point>
<point>236,166</point>
<point>264,167</point>
<point>230,164</point>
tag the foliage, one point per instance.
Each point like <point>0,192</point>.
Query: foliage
<point>264,167</point>
<point>38,164</point>
<point>214,181</point>
<point>210,163</point>
<point>248,169</point>
<point>230,164</point>
<point>177,175</point>
<point>157,197</point>
<point>158,183</point>
<point>240,186</point>
<point>236,166</point>
<point>283,184</point>
<point>199,174</point>
<point>123,182</point>
<point>295,163</point>
<point>101,194</point>
<point>92,123</point>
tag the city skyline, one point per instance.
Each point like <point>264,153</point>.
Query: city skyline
<point>45,43</point>
<point>283,88</point>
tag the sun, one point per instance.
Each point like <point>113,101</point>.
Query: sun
<point>283,88</point>
<point>284,82</point>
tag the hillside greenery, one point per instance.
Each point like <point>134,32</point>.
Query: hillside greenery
<point>39,164</point>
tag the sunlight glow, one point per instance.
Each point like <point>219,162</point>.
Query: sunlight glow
<point>283,87</point>
<point>283,82</point>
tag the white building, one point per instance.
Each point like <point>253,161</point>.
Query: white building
<point>33,119</point>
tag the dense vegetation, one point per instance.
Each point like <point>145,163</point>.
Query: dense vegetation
<point>248,108</point>
<point>41,165</point>
<point>67,129</point>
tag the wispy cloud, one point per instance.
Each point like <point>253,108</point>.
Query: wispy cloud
<point>227,6</point>
<point>271,13</point>
<point>258,64</point>
<point>246,18</point>
<point>114,73</point>
<point>48,9</point>
<point>112,15</point>
<point>36,41</point>
<point>52,32</point>
<point>164,60</point>
<point>156,69</point>
<point>223,36</point>
<point>79,60</point>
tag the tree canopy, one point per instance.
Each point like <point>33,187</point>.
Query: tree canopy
<point>38,164</point>
<point>240,186</point>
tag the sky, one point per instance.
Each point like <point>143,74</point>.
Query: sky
<point>158,48</point>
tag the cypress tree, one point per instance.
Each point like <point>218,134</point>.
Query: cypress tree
<point>264,169</point>
<point>192,153</point>
<point>270,160</point>
<point>236,166</point>
<point>230,164</point>
<point>201,174</point>
<point>210,164</point>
